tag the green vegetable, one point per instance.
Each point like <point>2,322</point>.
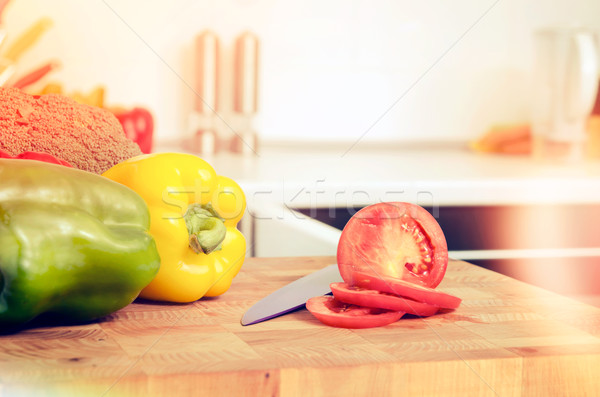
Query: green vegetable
<point>72,243</point>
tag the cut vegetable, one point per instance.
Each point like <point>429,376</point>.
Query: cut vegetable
<point>400,240</point>
<point>391,256</point>
<point>400,287</point>
<point>332,312</point>
<point>381,300</point>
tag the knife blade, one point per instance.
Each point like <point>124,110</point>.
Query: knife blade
<point>292,296</point>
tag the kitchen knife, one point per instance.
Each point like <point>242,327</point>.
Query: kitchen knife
<point>293,295</point>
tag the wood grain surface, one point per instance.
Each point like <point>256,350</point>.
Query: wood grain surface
<point>506,339</point>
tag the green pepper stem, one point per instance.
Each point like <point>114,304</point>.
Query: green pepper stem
<point>205,228</point>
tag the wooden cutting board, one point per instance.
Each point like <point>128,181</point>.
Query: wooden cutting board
<point>506,339</point>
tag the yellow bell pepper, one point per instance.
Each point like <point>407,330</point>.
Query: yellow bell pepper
<point>194,213</point>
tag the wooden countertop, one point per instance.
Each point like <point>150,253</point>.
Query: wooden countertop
<point>506,339</point>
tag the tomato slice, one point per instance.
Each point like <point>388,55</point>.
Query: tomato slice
<point>382,300</point>
<point>332,312</point>
<point>400,287</point>
<point>400,240</point>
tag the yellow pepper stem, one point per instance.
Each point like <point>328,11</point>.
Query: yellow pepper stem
<point>205,228</point>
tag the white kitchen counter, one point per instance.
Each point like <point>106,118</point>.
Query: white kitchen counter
<point>308,176</point>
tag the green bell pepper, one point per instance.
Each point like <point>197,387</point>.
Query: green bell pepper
<point>72,244</point>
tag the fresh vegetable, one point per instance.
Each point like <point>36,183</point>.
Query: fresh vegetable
<point>332,312</point>
<point>400,287</point>
<point>391,256</point>
<point>194,213</point>
<point>383,300</point>
<point>35,75</point>
<point>88,137</point>
<point>400,240</point>
<point>45,157</point>
<point>138,125</point>
<point>507,139</point>
<point>72,244</point>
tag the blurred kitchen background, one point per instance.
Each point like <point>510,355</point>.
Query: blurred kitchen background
<point>347,103</point>
<point>328,69</point>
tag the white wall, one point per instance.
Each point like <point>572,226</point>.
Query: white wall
<point>330,70</point>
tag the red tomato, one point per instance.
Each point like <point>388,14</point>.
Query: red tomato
<point>400,240</point>
<point>332,312</point>
<point>400,287</point>
<point>382,300</point>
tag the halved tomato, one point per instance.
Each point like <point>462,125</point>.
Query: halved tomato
<point>332,312</point>
<point>403,288</point>
<point>370,298</point>
<point>400,240</point>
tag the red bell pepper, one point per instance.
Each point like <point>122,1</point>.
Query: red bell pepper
<point>138,125</point>
<point>45,157</point>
